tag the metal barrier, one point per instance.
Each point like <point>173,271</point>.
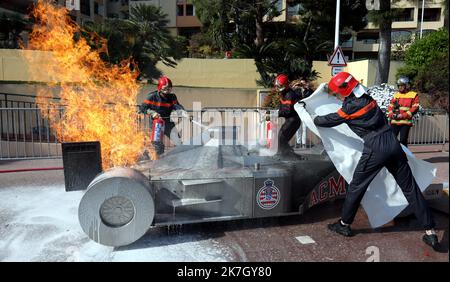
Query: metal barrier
<point>431,128</point>
<point>25,134</point>
<point>8,100</point>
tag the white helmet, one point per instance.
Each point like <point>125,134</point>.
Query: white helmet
<point>403,80</point>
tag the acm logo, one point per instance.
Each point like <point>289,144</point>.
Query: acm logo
<point>328,189</point>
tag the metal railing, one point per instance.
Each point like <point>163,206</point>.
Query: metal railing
<point>25,134</point>
<point>431,128</point>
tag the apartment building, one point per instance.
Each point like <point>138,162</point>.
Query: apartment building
<point>180,13</point>
<point>364,45</point>
<point>89,10</point>
<point>117,9</point>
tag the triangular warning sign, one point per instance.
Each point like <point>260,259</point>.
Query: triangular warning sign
<point>337,59</point>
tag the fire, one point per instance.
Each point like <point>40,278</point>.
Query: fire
<point>97,99</point>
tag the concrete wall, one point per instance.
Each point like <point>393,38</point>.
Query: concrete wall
<point>364,71</point>
<point>14,66</point>
<point>215,82</point>
<point>220,73</point>
<point>209,97</point>
<point>169,7</point>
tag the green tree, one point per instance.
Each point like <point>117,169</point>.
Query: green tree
<point>383,18</point>
<point>279,46</point>
<point>426,64</point>
<point>144,37</point>
<point>11,25</point>
<point>215,18</point>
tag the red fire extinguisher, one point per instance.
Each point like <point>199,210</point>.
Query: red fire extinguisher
<point>268,132</point>
<point>157,130</point>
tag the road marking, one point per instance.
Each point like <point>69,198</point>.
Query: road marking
<point>305,240</point>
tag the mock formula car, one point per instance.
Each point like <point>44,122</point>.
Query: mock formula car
<point>192,184</point>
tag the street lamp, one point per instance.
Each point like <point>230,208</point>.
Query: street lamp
<point>336,30</point>
<point>421,21</point>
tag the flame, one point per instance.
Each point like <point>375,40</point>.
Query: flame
<point>98,99</point>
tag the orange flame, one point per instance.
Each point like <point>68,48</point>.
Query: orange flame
<point>99,99</point>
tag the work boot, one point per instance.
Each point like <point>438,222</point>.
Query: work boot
<point>339,228</point>
<point>431,240</point>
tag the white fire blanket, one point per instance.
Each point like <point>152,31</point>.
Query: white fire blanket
<point>384,199</point>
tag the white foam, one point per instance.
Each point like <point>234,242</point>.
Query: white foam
<point>39,222</point>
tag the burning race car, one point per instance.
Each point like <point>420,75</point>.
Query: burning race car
<point>192,184</point>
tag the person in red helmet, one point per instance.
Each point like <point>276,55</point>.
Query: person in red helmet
<point>160,104</point>
<point>381,149</point>
<point>288,98</point>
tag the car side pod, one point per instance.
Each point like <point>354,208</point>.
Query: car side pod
<point>117,208</point>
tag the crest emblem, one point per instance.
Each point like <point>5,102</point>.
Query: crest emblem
<point>268,196</point>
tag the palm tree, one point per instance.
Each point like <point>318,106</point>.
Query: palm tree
<point>153,40</point>
<point>11,25</point>
<point>144,37</point>
<point>383,18</point>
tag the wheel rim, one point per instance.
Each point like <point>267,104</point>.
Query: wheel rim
<point>117,211</point>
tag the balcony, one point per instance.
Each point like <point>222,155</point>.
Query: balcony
<point>347,44</point>
<point>366,45</point>
<point>188,21</point>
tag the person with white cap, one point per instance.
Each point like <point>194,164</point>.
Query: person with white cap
<point>381,149</point>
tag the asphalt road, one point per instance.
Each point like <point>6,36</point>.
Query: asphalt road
<point>38,222</point>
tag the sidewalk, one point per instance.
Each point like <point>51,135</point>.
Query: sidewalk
<point>437,155</point>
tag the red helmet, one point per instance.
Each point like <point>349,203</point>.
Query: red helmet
<point>281,82</point>
<point>342,83</point>
<point>164,85</point>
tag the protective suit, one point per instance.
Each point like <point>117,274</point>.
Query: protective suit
<point>371,161</point>
<point>161,103</point>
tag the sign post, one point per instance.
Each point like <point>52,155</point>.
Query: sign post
<point>336,70</point>
<point>337,61</point>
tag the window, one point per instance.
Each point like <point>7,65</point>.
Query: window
<point>85,7</point>
<point>190,10</point>
<point>425,32</point>
<point>293,10</point>
<point>96,8</point>
<point>368,37</point>
<point>279,5</point>
<point>404,15</point>
<point>180,10</point>
<point>401,36</point>
<point>430,15</point>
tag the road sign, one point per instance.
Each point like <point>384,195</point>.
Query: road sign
<point>336,70</point>
<point>337,59</point>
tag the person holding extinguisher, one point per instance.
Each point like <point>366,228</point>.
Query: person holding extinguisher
<point>159,104</point>
<point>288,98</point>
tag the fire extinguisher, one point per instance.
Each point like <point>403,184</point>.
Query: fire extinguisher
<point>268,132</point>
<point>157,130</point>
